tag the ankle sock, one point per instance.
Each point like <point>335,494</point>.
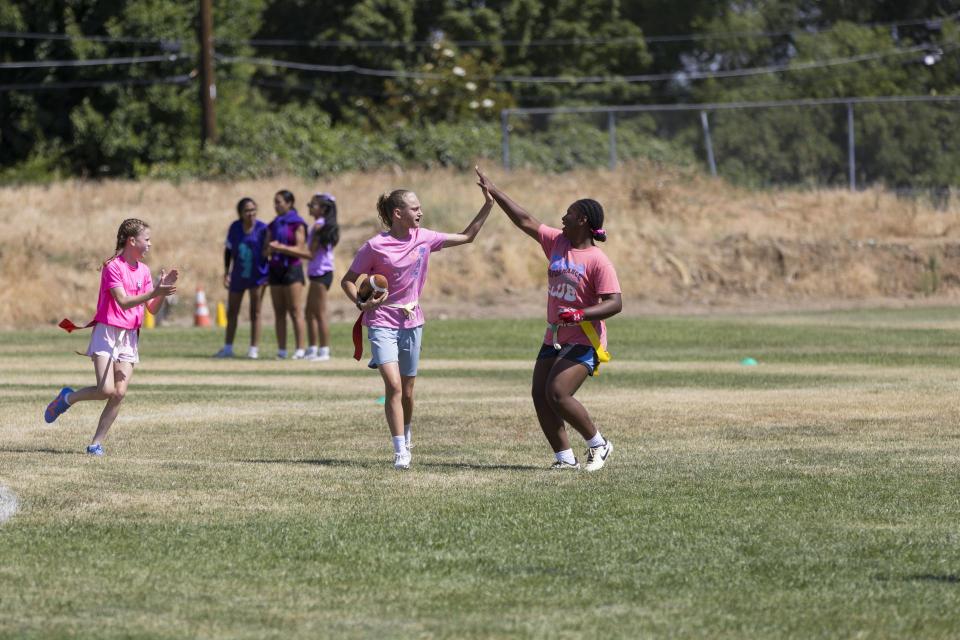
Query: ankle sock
<point>566,456</point>
<point>596,441</point>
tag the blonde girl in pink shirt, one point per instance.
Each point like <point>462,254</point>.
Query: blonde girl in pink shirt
<point>126,288</point>
<point>393,318</point>
<point>582,286</point>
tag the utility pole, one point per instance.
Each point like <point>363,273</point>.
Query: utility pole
<point>208,88</point>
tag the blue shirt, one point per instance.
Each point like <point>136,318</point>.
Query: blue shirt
<point>246,250</point>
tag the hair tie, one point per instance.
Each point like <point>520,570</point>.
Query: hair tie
<point>599,233</point>
<point>325,196</point>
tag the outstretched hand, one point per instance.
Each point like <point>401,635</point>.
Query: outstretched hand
<point>485,184</point>
<point>167,286</point>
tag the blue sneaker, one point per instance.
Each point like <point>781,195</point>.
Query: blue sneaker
<point>95,450</point>
<point>58,406</point>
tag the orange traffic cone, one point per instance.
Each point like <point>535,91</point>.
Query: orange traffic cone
<point>201,318</point>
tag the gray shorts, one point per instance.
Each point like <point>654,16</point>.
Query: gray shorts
<point>396,345</point>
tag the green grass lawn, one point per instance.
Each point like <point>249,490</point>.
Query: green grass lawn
<point>814,495</point>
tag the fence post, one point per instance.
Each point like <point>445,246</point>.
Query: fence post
<point>612,129</point>
<point>505,138</point>
<point>851,148</point>
<point>709,144</point>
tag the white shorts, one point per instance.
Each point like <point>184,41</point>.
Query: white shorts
<point>115,343</point>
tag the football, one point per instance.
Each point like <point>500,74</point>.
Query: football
<point>368,285</point>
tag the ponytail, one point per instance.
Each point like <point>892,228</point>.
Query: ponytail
<point>387,202</point>
<point>593,211</point>
<point>129,228</point>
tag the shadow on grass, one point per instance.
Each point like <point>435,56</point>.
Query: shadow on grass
<point>948,578</point>
<point>59,452</point>
<point>331,462</point>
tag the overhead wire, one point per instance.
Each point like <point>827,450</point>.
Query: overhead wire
<point>91,62</point>
<point>87,84</point>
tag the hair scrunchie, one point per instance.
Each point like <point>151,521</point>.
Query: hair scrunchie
<point>600,235</point>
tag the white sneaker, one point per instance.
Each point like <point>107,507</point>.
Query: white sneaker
<point>322,356</point>
<point>310,353</point>
<point>560,465</point>
<point>402,459</point>
<point>597,456</point>
<point>298,355</point>
<point>225,352</point>
<point>253,353</point>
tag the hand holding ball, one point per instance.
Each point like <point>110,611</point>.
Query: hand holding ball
<point>375,285</point>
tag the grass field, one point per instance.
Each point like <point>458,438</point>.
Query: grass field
<point>814,495</point>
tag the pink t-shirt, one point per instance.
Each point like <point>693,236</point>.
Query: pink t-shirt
<point>404,264</point>
<point>576,278</point>
<point>135,280</point>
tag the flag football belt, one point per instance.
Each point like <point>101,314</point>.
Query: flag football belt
<point>587,327</point>
<point>407,307</point>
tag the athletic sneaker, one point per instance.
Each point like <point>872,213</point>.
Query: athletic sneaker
<point>57,406</point>
<point>560,465</point>
<point>298,355</point>
<point>597,456</point>
<point>402,460</point>
<point>253,353</point>
<point>95,450</point>
<point>319,357</point>
<point>225,352</point>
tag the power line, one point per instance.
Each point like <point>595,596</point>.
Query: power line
<point>86,84</point>
<point>34,35</point>
<point>92,62</point>
<point>655,77</point>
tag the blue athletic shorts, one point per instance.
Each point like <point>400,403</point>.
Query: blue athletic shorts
<point>396,345</point>
<point>581,353</point>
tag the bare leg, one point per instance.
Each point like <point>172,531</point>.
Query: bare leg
<point>122,373</point>
<point>406,400</point>
<point>550,422</point>
<point>279,314</point>
<point>322,322</point>
<point>103,369</point>
<point>234,299</point>
<point>564,380</point>
<point>392,390</point>
<point>256,304</point>
<point>312,312</point>
<point>294,308</point>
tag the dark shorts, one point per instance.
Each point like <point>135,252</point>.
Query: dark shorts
<point>326,279</point>
<point>240,285</point>
<point>580,353</point>
<point>284,276</point>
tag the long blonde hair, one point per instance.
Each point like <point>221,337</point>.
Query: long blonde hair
<point>129,228</point>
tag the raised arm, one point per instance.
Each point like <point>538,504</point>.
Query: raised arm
<point>165,287</point>
<point>455,239</point>
<point>517,214</point>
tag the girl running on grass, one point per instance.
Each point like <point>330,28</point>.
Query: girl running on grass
<point>125,288</point>
<point>582,291</point>
<point>244,251</point>
<point>285,272</point>
<point>393,318</point>
<point>322,238</point>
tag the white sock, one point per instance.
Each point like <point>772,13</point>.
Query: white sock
<point>399,444</point>
<point>566,456</point>
<point>596,440</point>
<point>407,433</point>
<point>311,350</point>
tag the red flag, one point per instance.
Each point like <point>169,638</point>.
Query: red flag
<point>69,326</point>
<point>358,338</point>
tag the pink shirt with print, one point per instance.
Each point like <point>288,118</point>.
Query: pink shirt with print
<point>576,278</point>
<point>135,280</point>
<point>404,264</point>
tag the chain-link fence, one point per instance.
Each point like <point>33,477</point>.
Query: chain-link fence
<point>908,143</point>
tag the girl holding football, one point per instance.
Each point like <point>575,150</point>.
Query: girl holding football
<point>393,317</point>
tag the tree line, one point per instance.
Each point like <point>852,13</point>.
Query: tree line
<point>314,88</point>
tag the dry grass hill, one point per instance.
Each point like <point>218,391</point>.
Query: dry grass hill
<point>679,239</point>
